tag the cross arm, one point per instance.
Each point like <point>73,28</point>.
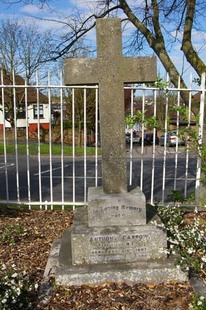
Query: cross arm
<point>80,71</point>
<point>141,69</point>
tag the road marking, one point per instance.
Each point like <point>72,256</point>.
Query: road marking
<point>48,170</point>
<point>8,165</point>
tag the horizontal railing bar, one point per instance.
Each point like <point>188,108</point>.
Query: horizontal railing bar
<point>49,86</point>
<point>96,87</point>
<point>44,203</point>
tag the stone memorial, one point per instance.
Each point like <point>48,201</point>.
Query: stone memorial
<point>114,238</point>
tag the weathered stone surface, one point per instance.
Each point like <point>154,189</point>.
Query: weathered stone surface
<point>116,209</point>
<point>139,272</point>
<point>114,238</point>
<point>198,285</point>
<point>94,245</point>
<point>111,70</point>
<point>149,272</point>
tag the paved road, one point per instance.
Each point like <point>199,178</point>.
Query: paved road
<point>77,186</point>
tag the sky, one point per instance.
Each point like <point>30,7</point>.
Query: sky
<point>60,9</point>
<point>54,10</point>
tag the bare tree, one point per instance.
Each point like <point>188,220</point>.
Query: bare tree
<point>156,24</point>
<point>23,48</point>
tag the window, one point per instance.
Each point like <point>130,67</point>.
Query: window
<point>6,111</point>
<point>21,112</point>
<point>41,111</point>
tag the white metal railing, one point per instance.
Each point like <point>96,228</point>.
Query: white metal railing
<point>61,180</point>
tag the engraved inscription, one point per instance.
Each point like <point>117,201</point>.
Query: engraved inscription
<point>117,210</point>
<point>117,247</point>
<point>142,250</point>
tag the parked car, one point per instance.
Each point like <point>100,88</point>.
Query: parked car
<point>171,139</point>
<point>135,137</point>
<point>148,139</point>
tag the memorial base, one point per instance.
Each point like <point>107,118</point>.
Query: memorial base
<point>131,274</point>
<point>60,267</point>
<point>116,244</point>
<point>116,238</point>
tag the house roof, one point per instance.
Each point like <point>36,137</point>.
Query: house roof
<point>20,91</point>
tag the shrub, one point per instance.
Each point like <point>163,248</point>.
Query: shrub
<point>199,303</point>
<point>16,289</point>
<point>186,240</point>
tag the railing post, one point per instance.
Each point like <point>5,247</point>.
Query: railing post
<point>200,140</point>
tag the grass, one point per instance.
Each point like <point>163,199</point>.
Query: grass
<point>45,149</point>
<point>25,207</point>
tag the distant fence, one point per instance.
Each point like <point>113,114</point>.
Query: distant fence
<point>50,149</point>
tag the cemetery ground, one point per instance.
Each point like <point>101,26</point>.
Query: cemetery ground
<point>25,242</point>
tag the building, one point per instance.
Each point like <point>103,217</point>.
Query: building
<point>29,102</point>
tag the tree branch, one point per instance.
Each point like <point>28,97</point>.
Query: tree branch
<point>187,46</point>
<point>157,44</point>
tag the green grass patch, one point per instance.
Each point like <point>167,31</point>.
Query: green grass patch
<point>24,207</point>
<point>45,149</point>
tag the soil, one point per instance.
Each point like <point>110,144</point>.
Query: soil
<point>25,240</point>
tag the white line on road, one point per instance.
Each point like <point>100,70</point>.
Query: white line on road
<point>8,165</point>
<point>48,170</point>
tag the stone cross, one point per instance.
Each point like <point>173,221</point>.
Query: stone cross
<point>110,70</point>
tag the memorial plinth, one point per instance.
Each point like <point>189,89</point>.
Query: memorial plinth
<point>113,229</point>
<point>115,209</point>
<point>114,238</point>
<point>94,251</point>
